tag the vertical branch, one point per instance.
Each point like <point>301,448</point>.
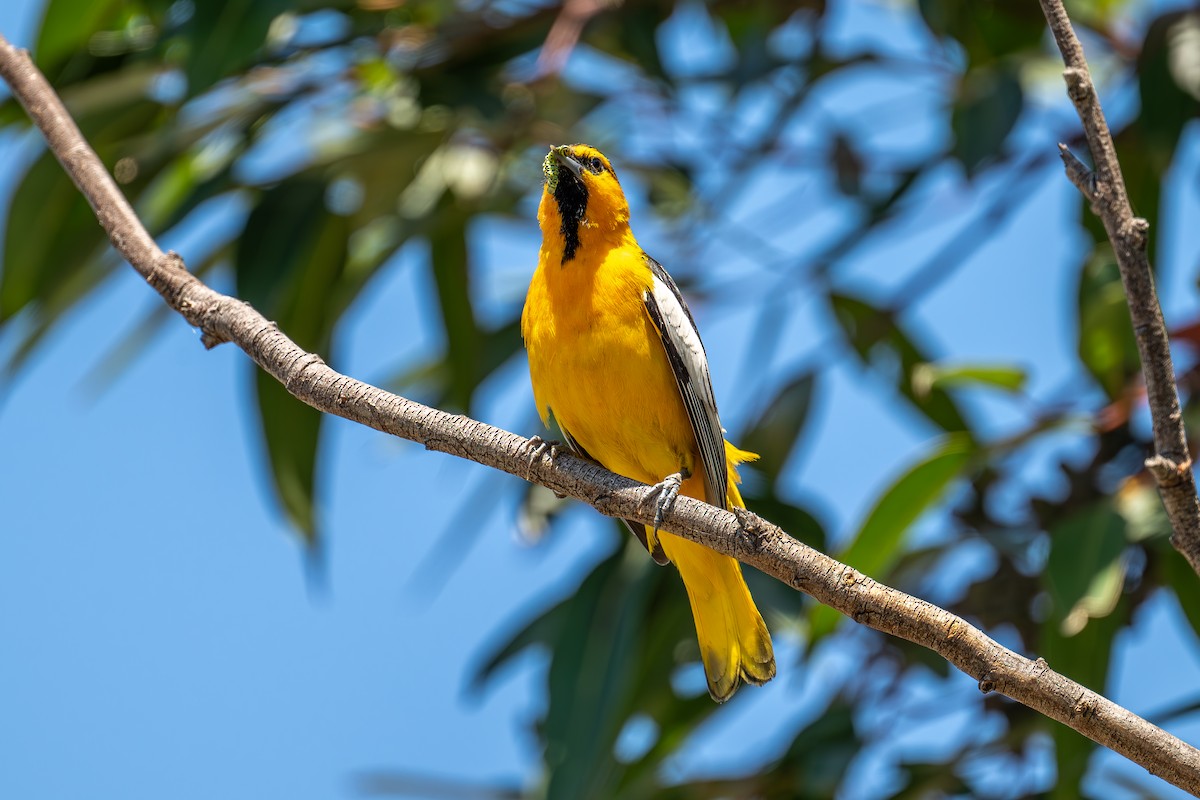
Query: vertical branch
<point>1104,188</point>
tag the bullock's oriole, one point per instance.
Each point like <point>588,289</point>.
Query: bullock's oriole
<point>615,357</point>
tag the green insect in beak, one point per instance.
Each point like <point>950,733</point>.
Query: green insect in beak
<point>550,170</point>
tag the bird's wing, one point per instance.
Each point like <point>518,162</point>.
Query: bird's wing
<point>685,351</point>
<point>636,528</point>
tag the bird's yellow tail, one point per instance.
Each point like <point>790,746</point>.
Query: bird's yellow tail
<point>734,642</point>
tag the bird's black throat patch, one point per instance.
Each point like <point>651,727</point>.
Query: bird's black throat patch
<point>572,198</point>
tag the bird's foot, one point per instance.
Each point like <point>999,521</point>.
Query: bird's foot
<point>665,491</point>
<point>539,447</point>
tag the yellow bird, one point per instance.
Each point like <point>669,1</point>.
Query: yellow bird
<point>615,357</point>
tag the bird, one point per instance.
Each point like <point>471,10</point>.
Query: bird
<point>616,360</point>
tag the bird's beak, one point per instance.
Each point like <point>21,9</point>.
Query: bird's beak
<point>562,154</point>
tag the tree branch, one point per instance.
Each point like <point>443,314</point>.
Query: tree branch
<point>742,535</point>
<point>1104,189</point>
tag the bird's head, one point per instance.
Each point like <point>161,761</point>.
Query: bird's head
<point>582,198</point>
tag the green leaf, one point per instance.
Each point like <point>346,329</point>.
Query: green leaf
<point>450,263</point>
<point>987,30</point>
<point>51,236</point>
<point>386,164</point>
<point>1106,343</point>
<point>614,644</point>
<point>926,779</point>
<point>749,25</point>
<point>927,377</point>
<point>1096,14</point>
<point>988,106</point>
<point>877,338</point>
<point>541,630</point>
<point>780,425</point>
<point>821,752</point>
<point>222,37</point>
<point>1168,73</point>
<point>814,765</point>
<point>1084,657</point>
<point>591,679</point>
<point>669,190</point>
<point>1178,576</point>
<point>876,545</point>
<point>292,433</point>
<point>55,252</point>
<point>67,25</point>
<point>632,36</point>
<point>1141,508</point>
<point>290,260</point>
<point>1084,571</point>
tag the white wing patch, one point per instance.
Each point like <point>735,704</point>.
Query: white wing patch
<point>685,351</point>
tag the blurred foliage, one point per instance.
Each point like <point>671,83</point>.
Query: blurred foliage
<point>350,129</point>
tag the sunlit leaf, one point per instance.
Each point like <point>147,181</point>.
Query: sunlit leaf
<point>1084,571</point>
<point>875,544</point>
<point>1139,505</point>
<point>1096,13</point>
<point>927,377</point>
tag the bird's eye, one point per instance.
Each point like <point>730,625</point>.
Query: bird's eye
<point>596,165</point>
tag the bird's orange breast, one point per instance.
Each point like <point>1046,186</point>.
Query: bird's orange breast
<point>597,364</point>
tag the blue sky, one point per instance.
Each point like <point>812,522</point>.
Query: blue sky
<point>158,634</point>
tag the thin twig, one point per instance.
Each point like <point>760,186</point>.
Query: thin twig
<point>744,535</point>
<point>1104,189</point>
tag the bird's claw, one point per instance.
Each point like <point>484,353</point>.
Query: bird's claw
<point>538,447</point>
<point>666,491</point>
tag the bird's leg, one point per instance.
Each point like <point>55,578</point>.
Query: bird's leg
<point>666,491</point>
<point>538,447</point>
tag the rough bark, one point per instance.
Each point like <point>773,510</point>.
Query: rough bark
<point>745,536</point>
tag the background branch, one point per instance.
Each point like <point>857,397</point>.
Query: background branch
<point>1104,188</point>
<point>744,535</point>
